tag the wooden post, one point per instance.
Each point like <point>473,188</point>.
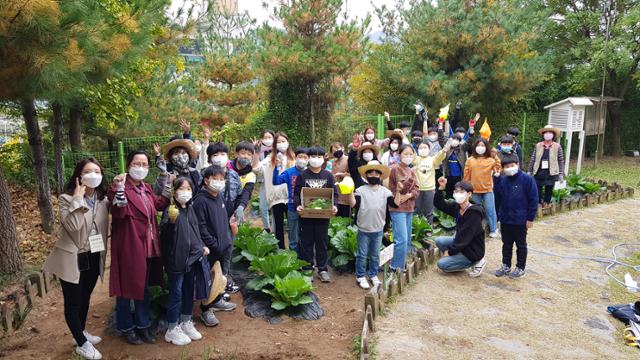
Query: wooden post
<point>401,282</point>
<point>409,273</point>
<point>371,301</point>
<point>7,318</point>
<point>38,280</point>
<point>382,298</point>
<point>393,288</point>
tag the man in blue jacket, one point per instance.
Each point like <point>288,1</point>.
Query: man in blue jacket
<point>518,209</point>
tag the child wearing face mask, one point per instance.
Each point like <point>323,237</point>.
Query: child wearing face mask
<point>360,154</point>
<point>479,170</point>
<point>370,201</point>
<point>425,167</point>
<point>289,177</point>
<point>392,157</point>
<point>464,250</point>
<point>403,183</point>
<point>340,169</point>
<point>182,248</point>
<point>314,238</point>
<point>516,214</point>
<point>242,166</point>
<point>216,230</point>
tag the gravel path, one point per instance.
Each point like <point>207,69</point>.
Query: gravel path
<point>558,311</point>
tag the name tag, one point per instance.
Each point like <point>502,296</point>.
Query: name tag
<point>545,164</point>
<point>96,243</point>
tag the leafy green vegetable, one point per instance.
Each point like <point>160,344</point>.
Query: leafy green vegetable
<point>560,194</point>
<point>278,264</point>
<point>445,221</point>
<point>252,243</point>
<point>323,204</point>
<point>591,188</point>
<point>345,246</point>
<point>289,291</point>
<point>421,231</point>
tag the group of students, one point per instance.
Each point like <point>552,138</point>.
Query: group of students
<point>202,196</point>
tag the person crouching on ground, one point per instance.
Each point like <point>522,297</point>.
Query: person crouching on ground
<point>519,192</point>
<point>466,249</point>
<point>182,248</point>
<point>314,233</point>
<point>370,202</point>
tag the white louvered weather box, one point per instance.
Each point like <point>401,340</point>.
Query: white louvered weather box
<point>568,116</point>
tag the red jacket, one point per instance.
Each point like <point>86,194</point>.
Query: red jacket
<point>129,226</point>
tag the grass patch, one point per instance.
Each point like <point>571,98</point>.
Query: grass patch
<point>623,170</point>
<point>10,279</point>
<point>618,293</point>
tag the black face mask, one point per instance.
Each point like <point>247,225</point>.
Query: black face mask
<point>417,140</point>
<point>373,180</point>
<point>338,154</point>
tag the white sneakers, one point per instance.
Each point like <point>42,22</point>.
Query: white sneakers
<point>375,282</point>
<point>87,351</point>
<point>477,268</point>
<point>94,340</point>
<point>190,330</point>
<point>176,336</point>
<point>363,283</point>
<point>182,334</point>
<point>494,235</point>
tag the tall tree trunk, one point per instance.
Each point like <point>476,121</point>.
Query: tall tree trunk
<point>614,130</point>
<point>39,166</point>
<point>75,131</point>
<point>10,261</point>
<point>310,92</point>
<point>57,145</point>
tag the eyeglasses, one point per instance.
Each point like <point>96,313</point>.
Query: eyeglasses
<point>138,164</point>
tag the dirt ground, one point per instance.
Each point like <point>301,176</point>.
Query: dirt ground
<point>46,336</point>
<point>558,311</point>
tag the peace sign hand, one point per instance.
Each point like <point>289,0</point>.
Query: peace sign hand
<point>80,189</point>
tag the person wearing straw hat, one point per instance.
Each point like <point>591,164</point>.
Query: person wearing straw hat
<point>370,202</point>
<point>547,163</point>
<point>360,154</point>
<point>178,154</point>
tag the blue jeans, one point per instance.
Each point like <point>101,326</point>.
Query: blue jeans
<point>489,203</point>
<point>124,321</point>
<point>180,300</point>
<point>264,207</point>
<point>368,249</point>
<point>452,263</point>
<point>401,226</point>
<point>294,229</point>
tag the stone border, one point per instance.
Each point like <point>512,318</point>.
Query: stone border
<point>613,192</point>
<point>375,299</point>
<point>12,314</point>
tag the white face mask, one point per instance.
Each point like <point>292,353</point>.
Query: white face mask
<point>393,146</point>
<point>183,196</point>
<point>480,150</point>
<point>220,160</point>
<point>433,137</point>
<point>367,156</point>
<point>510,171</point>
<point>459,197</point>
<point>455,143</point>
<point>267,142</point>
<point>316,162</point>
<point>283,146</point>
<point>423,152</point>
<point>217,185</point>
<point>407,160</point>
<point>301,164</point>
<point>138,173</point>
<point>91,180</point>
<point>370,137</point>
<point>548,136</point>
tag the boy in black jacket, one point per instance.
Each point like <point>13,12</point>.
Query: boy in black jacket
<point>216,231</point>
<point>466,248</point>
<point>314,232</point>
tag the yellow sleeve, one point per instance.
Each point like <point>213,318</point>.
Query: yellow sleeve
<point>439,158</point>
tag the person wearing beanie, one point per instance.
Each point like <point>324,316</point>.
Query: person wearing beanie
<point>464,250</point>
<point>518,209</point>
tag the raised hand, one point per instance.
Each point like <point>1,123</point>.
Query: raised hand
<point>442,182</point>
<point>386,114</point>
<point>162,166</point>
<point>356,142</point>
<point>207,132</point>
<point>185,126</point>
<point>156,149</point>
<point>80,189</point>
<point>119,180</point>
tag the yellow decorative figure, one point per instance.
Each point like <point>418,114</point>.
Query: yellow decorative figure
<point>485,130</point>
<point>444,112</point>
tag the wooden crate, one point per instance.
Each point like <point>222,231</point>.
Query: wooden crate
<point>309,194</point>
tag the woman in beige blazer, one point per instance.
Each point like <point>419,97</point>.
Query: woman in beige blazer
<point>79,254</point>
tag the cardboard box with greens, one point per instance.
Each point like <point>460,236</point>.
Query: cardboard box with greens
<point>316,203</point>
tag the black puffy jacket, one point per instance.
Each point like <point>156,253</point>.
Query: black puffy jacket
<point>181,242</point>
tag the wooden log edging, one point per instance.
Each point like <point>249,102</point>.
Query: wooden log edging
<point>13,314</point>
<point>375,299</point>
<point>613,192</point>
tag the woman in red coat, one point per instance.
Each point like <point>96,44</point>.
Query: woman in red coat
<point>135,246</point>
